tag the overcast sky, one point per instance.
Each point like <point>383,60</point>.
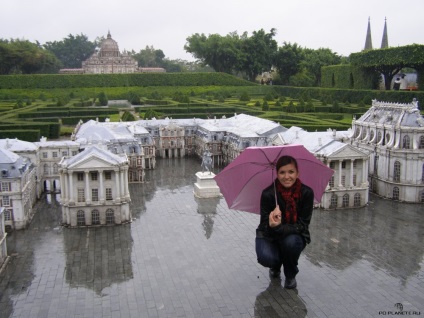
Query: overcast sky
<point>335,24</point>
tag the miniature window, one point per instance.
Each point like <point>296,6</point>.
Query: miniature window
<point>5,187</point>
<point>110,216</point>
<point>54,154</point>
<point>108,175</point>
<point>395,193</point>
<point>94,176</point>
<point>396,172</point>
<point>8,215</point>
<point>80,217</point>
<point>80,176</point>
<point>406,142</point>
<point>94,195</point>
<point>109,194</point>
<point>81,195</point>
<point>6,200</point>
<point>345,202</point>
<point>95,217</point>
<point>357,200</point>
<point>44,155</point>
<point>333,203</point>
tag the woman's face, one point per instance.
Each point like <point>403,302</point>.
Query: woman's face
<point>287,175</point>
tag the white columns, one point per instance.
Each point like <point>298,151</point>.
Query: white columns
<point>87,187</point>
<point>70,186</point>
<point>118,186</point>
<point>101,190</point>
<point>351,172</point>
<point>340,174</point>
<point>122,185</point>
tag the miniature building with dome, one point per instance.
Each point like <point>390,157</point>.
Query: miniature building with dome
<point>109,60</point>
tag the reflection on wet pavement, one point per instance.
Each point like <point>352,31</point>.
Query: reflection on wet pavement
<point>188,257</point>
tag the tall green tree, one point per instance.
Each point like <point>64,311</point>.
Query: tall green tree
<point>149,57</point>
<point>259,52</point>
<point>288,61</point>
<point>24,57</point>
<point>222,53</point>
<point>315,59</point>
<point>72,50</point>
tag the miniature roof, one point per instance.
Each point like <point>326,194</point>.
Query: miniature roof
<point>406,115</point>
<point>6,156</point>
<point>93,151</point>
<point>17,145</point>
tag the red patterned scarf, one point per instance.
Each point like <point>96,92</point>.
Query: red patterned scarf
<point>290,196</point>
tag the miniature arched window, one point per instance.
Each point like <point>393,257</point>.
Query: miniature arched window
<point>55,168</point>
<point>422,196</point>
<point>357,199</point>
<point>110,216</point>
<point>421,145</point>
<point>372,135</point>
<point>8,215</point>
<point>379,136</point>
<point>333,202</point>
<point>406,142</point>
<point>357,132</point>
<point>80,217</point>
<point>46,169</point>
<point>345,202</point>
<point>95,217</point>
<point>395,193</point>
<point>396,172</point>
<point>387,139</point>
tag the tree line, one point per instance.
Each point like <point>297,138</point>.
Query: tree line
<point>251,56</point>
<point>19,56</point>
<point>246,56</point>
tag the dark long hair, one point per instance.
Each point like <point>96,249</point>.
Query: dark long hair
<point>285,160</point>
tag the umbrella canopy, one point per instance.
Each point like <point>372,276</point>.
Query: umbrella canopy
<point>242,181</point>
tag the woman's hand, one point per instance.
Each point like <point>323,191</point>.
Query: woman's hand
<point>275,217</point>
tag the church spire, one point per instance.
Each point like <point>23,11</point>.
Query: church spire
<point>385,40</point>
<point>368,41</point>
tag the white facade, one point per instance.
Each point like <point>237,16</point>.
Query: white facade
<point>49,154</point>
<point>393,134</point>
<point>94,188</point>
<point>3,234</point>
<point>17,189</point>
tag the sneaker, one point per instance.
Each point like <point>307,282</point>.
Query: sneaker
<point>274,273</point>
<point>290,283</point>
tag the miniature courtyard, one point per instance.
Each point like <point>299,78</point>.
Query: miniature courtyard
<point>183,256</point>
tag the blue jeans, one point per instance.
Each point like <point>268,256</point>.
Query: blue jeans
<point>282,252</point>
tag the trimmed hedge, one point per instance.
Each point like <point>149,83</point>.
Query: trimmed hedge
<point>31,135</point>
<point>49,130</point>
<point>49,81</point>
<point>350,95</point>
<point>70,121</point>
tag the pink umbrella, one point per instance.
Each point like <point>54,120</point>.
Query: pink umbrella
<point>242,181</point>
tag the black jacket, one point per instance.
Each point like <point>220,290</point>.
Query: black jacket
<point>304,206</point>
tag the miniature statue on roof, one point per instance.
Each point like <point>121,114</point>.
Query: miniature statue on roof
<point>207,161</point>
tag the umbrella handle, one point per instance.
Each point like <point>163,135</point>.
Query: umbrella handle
<point>275,189</point>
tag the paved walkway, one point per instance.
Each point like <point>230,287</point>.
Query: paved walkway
<point>188,257</point>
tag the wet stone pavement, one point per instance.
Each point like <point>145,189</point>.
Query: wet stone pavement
<point>188,257</point>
